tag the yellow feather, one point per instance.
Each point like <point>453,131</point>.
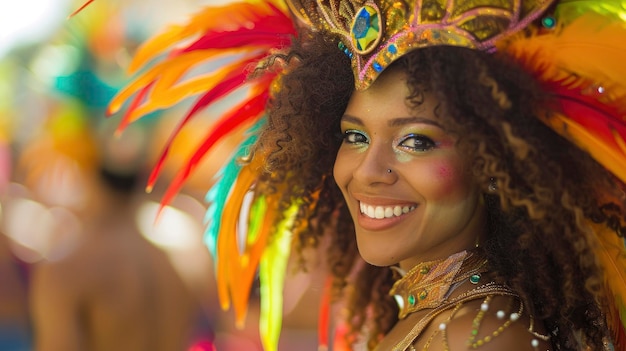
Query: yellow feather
<point>272,271</point>
<point>165,94</point>
<point>568,10</point>
<point>588,52</point>
<point>218,18</point>
<point>156,46</point>
<point>612,255</point>
<point>591,47</point>
<point>167,90</point>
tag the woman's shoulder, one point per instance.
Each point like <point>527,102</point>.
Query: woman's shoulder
<point>490,323</point>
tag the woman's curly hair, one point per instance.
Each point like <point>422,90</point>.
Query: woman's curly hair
<point>547,188</point>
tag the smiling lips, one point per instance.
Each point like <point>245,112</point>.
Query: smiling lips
<point>380,212</point>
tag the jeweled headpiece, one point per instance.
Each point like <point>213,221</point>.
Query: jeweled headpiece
<point>376,33</point>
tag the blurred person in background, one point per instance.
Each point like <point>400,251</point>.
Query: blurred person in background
<point>97,284</point>
<point>112,289</point>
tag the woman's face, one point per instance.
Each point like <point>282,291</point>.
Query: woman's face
<point>428,206</point>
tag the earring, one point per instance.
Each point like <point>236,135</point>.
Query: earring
<point>388,170</point>
<point>493,185</point>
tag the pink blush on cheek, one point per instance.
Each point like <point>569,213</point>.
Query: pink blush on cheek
<point>446,179</point>
<point>445,172</point>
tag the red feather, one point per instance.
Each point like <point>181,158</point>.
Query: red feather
<point>230,83</point>
<point>241,37</point>
<point>250,110</point>
<point>136,102</point>
<point>80,8</point>
<point>324,316</point>
<point>589,112</point>
<point>246,29</point>
<point>273,30</point>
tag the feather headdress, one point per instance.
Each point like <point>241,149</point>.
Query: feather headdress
<point>580,60</point>
<point>562,50</point>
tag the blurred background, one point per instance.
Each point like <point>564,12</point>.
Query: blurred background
<point>67,182</point>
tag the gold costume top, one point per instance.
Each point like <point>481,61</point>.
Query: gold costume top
<point>431,286</point>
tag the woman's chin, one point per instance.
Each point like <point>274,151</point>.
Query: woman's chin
<point>377,258</point>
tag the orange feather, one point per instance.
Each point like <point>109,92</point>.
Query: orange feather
<point>592,96</point>
<point>589,48</point>
<point>581,62</point>
<point>612,254</point>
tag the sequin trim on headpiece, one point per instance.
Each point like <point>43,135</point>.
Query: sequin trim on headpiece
<point>376,33</point>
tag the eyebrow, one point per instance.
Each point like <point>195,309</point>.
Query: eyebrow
<point>400,121</point>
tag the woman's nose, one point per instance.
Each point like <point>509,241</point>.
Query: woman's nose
<point>375,166</point>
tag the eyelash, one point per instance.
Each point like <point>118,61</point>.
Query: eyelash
<point>422,142</point>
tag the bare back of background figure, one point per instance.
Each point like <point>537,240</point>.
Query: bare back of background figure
<point>115,290</point>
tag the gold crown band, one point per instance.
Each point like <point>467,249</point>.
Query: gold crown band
<point>376,33</point>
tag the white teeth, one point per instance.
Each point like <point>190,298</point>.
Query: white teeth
<point>370,212</point>
<point>388,212</point>
<point>397,210</point>
<point>380,212</point>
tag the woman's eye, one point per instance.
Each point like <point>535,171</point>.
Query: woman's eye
<point>417,142</point>
<point>354,137</point>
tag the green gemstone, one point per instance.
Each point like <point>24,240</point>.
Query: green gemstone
<point>425,270</point>
<point>475,278</point>
<point>549,22</point>
<point>411,300</point>
<point>423,295</point>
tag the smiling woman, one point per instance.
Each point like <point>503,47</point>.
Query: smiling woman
<point>435,216</point>
<point>428,178</point>
<point>460,165</point>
